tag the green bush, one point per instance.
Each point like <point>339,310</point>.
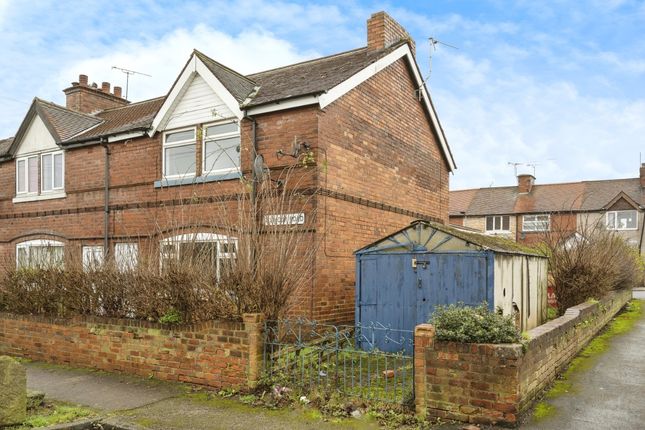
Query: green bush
<point>466,324</point>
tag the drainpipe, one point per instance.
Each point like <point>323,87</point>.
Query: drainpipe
<point>106,198</point>
<point>254,184</point>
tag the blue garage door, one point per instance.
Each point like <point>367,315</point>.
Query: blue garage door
<point>401,290</point>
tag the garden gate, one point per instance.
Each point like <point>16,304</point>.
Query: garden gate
<point>308,356</point>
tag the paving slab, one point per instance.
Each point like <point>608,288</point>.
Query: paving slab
<point>608,395</point>
<point>98,390</point>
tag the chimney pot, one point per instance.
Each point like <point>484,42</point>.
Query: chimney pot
<point>82,79</point>
<point>117,91</point>
<point>105,87</point>
<point>525,183</point>
<point>94,85</point>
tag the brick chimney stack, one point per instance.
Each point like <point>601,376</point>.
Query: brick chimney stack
<point>383,31</point>
<point>525,183</point>
<point>86,98</point>
<point>642,175</point>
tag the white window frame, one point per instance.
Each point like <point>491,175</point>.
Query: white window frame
<point>238,133</point>
<point>535,223</point>
<point>126,256</point>
<point>93,257</point>
<point>616,227</point>
<point>175,145</point>
<point>26,191</point>
<point>28,244</point>
<point>175,241</point>
<point>54,188</point>
<point>501,224</point>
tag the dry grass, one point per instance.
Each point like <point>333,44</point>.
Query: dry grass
<point>591,263</point>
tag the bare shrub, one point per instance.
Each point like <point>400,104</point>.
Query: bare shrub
<point>590,263</point>
<point>262,262</point>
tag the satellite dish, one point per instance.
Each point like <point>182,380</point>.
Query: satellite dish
<point>259,168</point>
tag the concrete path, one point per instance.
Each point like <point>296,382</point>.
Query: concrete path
<point>98,390</point>
<point>152,404</point>
<point>610,394</point>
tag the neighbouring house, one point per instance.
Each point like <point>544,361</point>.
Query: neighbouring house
<point>96,177</point>
<point>528,211</point>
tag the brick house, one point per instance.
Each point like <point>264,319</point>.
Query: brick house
<point>95,177</point>
<point>526,211</point>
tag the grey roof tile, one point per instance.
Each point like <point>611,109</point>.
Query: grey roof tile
<point>314,76</point>
<point>238,85</point>
<point>572,196</point>
<point>64,122</point>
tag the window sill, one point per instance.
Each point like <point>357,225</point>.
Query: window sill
<point>193,180</point>
<point>35,198</point>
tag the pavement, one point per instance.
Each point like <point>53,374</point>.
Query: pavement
<point>133,402</point>
<point>610,394</point>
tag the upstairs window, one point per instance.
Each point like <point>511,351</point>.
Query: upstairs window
<point>179,153</point>
<point>52,171</point>
<point>221,148</point>
<point>41,174</point>
<point>39,254</point>
<point>622,220</point>
<point>497,224</point>
<point>532,223</point>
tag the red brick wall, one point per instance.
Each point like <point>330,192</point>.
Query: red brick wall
<point>382,168</point>
<point>217,354</point>
<point>488,384</point>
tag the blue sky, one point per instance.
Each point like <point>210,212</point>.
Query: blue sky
<point>553,83</point>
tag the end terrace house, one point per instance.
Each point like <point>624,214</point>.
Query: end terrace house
<point>95,177</point>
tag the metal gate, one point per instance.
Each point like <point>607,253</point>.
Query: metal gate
<point>402,290</point>
<point>306,355</point>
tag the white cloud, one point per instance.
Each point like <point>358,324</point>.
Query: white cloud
<point>570,136</point>
<point>163,59</point>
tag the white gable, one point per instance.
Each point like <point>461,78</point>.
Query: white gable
<point>196,97</point>
<point>36,139</point>
<point>198,104</point>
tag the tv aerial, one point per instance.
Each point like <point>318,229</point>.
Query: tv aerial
<point>433,48</point>
<point>129,72</point>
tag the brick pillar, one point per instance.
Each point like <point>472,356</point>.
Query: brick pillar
<point>423,339</point>
<point>254,327</point>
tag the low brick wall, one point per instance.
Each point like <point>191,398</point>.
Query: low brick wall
<point>493,384</point>
<point>216,353</point>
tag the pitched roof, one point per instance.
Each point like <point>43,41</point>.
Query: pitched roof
<point>314,76</point>
<point>62,122</point>
<point>573,196</point>
<point>412,237</point>
<point>135,116</point>
<point>238,85</point>
<point>5,144</point>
